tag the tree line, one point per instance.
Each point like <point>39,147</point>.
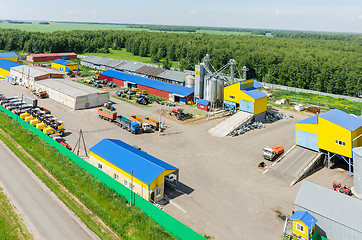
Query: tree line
<point>323,65</point>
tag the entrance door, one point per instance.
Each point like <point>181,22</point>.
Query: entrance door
<point>153,196</point>
<point>67,69</point>
<point>246,106</point>
<point>307,140</point>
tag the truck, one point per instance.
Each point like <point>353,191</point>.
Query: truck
<point>146,127</point>
<point>54,128</point>
<point>107,114</point>
<point>154,123</point>
<point>271,153</point>
<point>129,125</point>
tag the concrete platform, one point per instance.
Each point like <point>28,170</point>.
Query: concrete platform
<point>228,125</point>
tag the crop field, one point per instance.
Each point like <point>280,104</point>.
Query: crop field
<point>323,102</point>
<point>128,56</point>
<point>57,26</point>
<point>11,226</point>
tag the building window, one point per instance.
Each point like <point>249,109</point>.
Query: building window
<point>131,186</point>
<point>158,192</point>
<point>232,97</point>
<point>125,182</point>
<point>300,227</point>
<point>340,143</point>
<point>99,166</point>
<point>115,176</point>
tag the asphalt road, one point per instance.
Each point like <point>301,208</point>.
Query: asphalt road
<point>43,213</point>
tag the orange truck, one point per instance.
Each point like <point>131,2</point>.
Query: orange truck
<point>271,153</point>
<point>154,123</point>
<point>107,114</point>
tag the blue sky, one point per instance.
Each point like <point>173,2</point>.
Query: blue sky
<point>316,15</point>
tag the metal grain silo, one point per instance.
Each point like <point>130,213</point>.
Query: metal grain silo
<point>213,90</point>
<point>220,90</point>
<point>190,81</point>
<point>357,170</point>
<point>199,80</point>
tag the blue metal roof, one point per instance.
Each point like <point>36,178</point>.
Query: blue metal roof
<point>311,120</point>
<point>164,86</point>
<point>61,61</point>
<point>203,102</point>
<point>7,64</point>
<point>254,93</point>
<point>8,54</point>
<point>305,217</point>
<point>342,119</point>
<point>145,167</point>
<point>257,84</point>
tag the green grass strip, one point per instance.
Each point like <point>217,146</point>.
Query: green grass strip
<point>128,222</point>
<point>11,225</point>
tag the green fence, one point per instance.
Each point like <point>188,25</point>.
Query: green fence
<point>169,223</point>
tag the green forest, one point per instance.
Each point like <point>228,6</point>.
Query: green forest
<point>303,61</point>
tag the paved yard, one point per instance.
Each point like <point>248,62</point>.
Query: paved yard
<point>224,193</point>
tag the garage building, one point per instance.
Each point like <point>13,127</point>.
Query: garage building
<point>5,66</point>
<point>158,88</point>
<point>64,65</point>
<point>334,132</point>
<point>26,75</point>
<point>9,56</point>
<point>47,57</point>
<point>72,94</point>
<point>248,97</point>
<point>137,170</point>
<point>338,215</point>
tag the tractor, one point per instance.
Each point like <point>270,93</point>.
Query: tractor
<point>342,188</point>
<point>180,114</point>
<point>144,100</point>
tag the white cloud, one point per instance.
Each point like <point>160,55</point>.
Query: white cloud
<point>277,11</point>
<point>193,11</point>
<point>359,17</point>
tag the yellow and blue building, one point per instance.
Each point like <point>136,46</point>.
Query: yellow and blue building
<point>334,132</point>
<point>135,169</point>
<point>5,66</point>
<point>64,65</point>
<point>248,97</point>
<point>303,225</point>
<point>11,56</point>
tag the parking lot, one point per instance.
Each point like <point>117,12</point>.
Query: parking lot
<point>223,193</point>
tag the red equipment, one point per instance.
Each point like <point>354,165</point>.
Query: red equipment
<point>342,188</point>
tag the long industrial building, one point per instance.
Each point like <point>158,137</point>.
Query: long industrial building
<point>137,170</point>
<point>172,92</point>
<point>26,75</point>
<point>72,94</point>
<point>47,57</point>
<point>338,215</point>
<point>140,69</point>
<point>334,132</point>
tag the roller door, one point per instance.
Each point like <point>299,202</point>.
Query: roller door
<point>246,106</point>
<point>307,140</point>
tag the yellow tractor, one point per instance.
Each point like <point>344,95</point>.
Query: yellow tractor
<point>53,128</point>
<point>29,118</point>
<point>24,115</point>
<point>40,126</point>
<point>34,122</point>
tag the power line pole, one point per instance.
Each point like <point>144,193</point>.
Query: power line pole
<point>77,145</point>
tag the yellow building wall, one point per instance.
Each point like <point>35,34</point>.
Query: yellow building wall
<point>329,132</point>
<point>299,233</point>
<point>4,72</point>
<point>260,105</point>
<point>14,59</point>
<point>358,141</point>
<point>233,93</point>
<point>307,127</point>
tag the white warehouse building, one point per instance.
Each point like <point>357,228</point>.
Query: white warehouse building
<point>73,94</point>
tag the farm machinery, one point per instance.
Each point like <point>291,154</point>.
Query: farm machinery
<point>180,114</point>
<point>338,187</point>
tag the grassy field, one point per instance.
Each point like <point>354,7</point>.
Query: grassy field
<point>128,222</point>
<point>323,102</point>
<point>124,55</point>
<point>55,26</point>
<point>11,225</point>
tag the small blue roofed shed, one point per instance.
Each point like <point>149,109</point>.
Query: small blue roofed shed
<point>305,217</point>
<point>61,61</point>
<point>129,165</point>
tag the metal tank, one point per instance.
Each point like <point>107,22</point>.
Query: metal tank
<point>199,80</point>
<point>220,90</point>
<point>213,90</point>
<point>357,170</point>
<point>190,81</point>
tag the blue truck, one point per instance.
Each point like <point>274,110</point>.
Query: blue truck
<point>129,125</point>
